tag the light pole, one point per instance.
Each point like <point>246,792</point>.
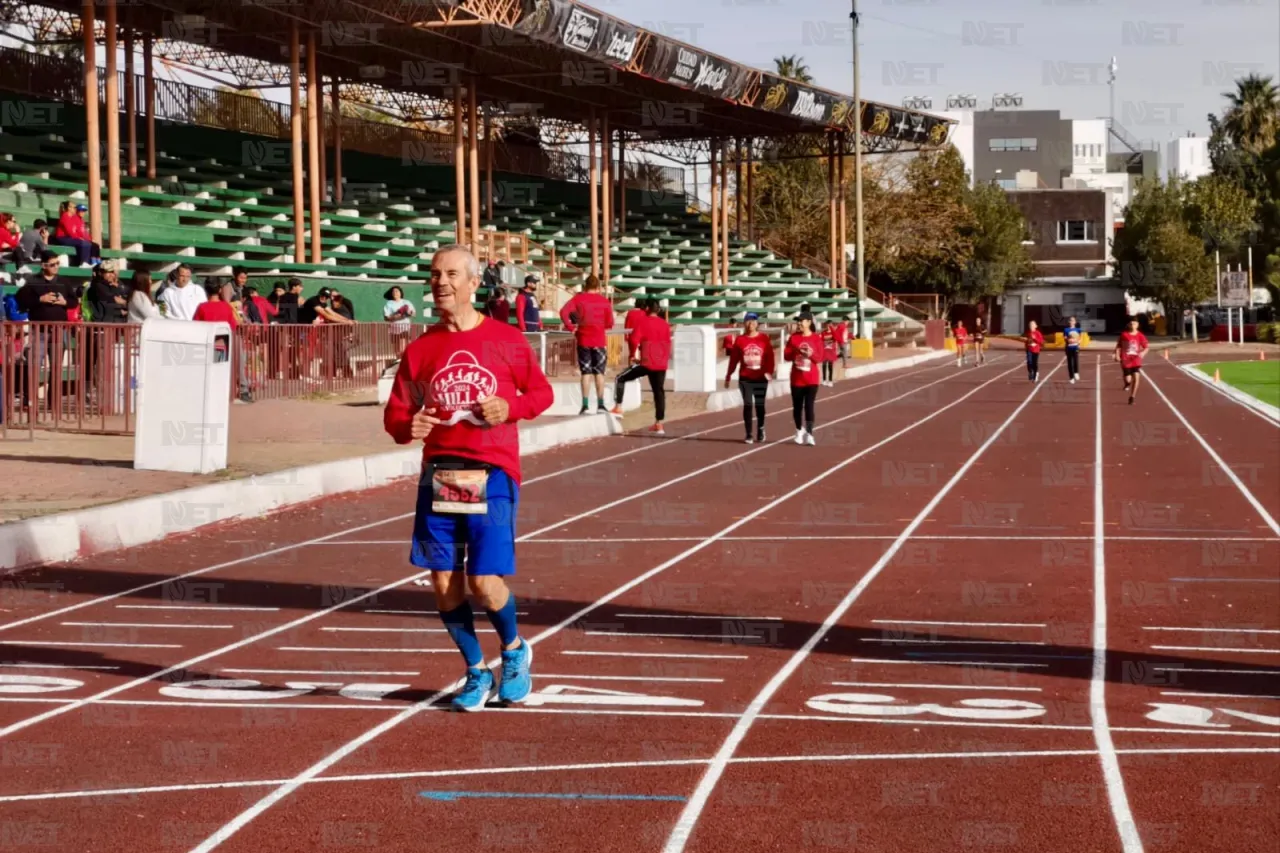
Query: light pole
<point>857,171</point>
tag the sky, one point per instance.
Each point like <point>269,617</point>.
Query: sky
<point>1175,57</point>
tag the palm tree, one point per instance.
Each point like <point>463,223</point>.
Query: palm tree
<point>792,68</point>
<point>1252,118</point>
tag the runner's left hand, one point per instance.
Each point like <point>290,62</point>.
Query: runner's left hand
<point>494,410</point>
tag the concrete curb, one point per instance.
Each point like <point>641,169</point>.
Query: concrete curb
<point>1248,401</point>
<point>727,400</point>
<point>95,530</point>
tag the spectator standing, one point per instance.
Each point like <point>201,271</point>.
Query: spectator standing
<point>47,299</point>
<point>72,233</point>
<point>461,389</point>
<point>141,306</point>
<point>498,306</point>
<point>33,243</point>
<point>589,315</point>
<point>108,298</point>
<point>650,355</point>
<point>528,311</point>
<point>752,356</point>
<point>182,299</point>
<point>399,312</point>
<point>217,308</point>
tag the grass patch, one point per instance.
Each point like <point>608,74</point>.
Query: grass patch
<point>1260,379</point>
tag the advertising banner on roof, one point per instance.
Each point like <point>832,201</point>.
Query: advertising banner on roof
<point>778,95</point>
<point>581,30</point>
<point>681,65</point>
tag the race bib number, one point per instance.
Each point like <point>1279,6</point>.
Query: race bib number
<point>459,492</point>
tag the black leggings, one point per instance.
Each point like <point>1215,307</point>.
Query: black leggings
<point>828,371</point>
<point>657,378</point>
<point>803,397</point>
<point>1033,364</point>
<point>753,392</point>
<point>1073,362</point>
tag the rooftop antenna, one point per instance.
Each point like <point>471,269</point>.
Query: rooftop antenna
<point>1111,82</point>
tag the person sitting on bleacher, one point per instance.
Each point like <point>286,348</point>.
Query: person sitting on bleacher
<point>8,233</point>
<point>33,243</point>
<point>73,234</point>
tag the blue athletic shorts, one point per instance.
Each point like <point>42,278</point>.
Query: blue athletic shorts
<point>482,544</point>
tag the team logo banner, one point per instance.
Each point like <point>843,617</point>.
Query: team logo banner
<point>581,30</point>
<point>681,65</point>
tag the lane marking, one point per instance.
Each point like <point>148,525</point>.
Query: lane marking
<point>376,649</point>
<point>42,643</point>
<point>1217,649</point>
<point>1215,695</point>
<point>1244,402</point>
<point>1130,838</point>
<point>141,625</point>
<point>319,671</point>
<point>24,665</point>
<point>1225,580</point>
<point>679,836</point>
<point>398,630</point>
<point>1226,469</point>
<point>641,678</point>
<point>1002,655</point>
<point>419,612</point>
<point>670,636</point>
<point>235,607</point>
<point>693,616</point>
<point>940,686</point>
<point>244,818</point>
<point>927,662</point>
<point>1218,630</point>
<point>973,624</point>
<point>931,642</point>
<point>454,796</point>
<point>657,655</point>
<point>1211,669</point>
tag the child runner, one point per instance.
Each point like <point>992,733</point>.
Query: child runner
<point>830,349</point>
<point>753,351</point>
<point>842,341</point>
<point>979,340</point>
<point>652,338</point>
<point>804,351</point>
<point>962,338</point>
<point>1072,335</point>
<point>1130,350</point>
<point>1035,342</point>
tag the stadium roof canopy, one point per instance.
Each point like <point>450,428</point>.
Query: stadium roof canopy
<point>551,59</point>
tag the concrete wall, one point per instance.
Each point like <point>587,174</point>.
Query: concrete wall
<point>1051,159</point>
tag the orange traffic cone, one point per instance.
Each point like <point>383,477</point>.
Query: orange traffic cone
<point>1217,377</point>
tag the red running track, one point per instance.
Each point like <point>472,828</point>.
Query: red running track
<point>944,627</point>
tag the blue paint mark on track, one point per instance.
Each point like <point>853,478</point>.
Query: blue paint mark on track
<point>454,796</point>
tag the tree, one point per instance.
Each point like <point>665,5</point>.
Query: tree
<point>792,68</point>
<point>999,257</point>
<point>1252,118</point>
<point>1220,211</point>
<point>1159,256</point>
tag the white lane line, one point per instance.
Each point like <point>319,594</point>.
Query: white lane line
<point>418,612</point>
<point>692,616</point>
<point>1130,838</point>
<point>972,624</point>
<point>41,643</point>
<point>1217,649</point>
<point>658,655</point>
<point>1225,580</point>
<point>22,665</point>
<point>929,662</point>
<point>243,671</point>
<point>1212,669</point>
<point>688,819</point>
<point>142,625</point>
<point>1215,695</point>
<point>396,630</point>
<point>389,651</point>
<point>642,678</point>
<point>1218,630</point>
<point>230,607</point>
<point>244,818</point>
<point>930,642</point>
<point>1244,490</point>
<point>671,636</point>
<point>1248,403</point>
<point>940,686</point>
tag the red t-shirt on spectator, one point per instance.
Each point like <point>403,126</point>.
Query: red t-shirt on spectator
<point>1132,346</point>
<point>755,355</point>
<point>830,346</point>
<point>8,240</point>
<point>634,319</point>
<point>842,332</point>
<point>216,312</point>
<point>71,225</point>
<point>595,319</point>
<point>805,354</point>
<point>452,372</point>
<point>653,339</point>
<point>1035,341</point>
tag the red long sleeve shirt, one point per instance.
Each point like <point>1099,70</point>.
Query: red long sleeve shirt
<point>595,319</point>
<point>805,354</point>
<point>754,354</point>
<point>1035,341</point>
<point>71,225</point>
<point>452,372</point>
<point>653,339</point>
<point>216,312</point>
<point>8,240</point>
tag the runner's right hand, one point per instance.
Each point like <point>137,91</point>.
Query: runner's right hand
<point>422,423</point>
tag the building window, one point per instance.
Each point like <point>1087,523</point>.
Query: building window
<point>1007,183</point>
<point>1012,144</point>
<point>1077,231</point>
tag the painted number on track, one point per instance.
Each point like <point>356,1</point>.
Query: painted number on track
<point>248,690</point>
<point>880,705</point>
<point>11,685</point>
<point>572,694</point>
<point>1193,715</point>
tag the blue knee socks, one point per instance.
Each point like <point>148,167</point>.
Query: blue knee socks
<point>461,624</point>
<point>504,621</point>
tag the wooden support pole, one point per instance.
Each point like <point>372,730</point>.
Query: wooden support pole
<point>843,230</point>
<point>313,144</point>
<point>93,141</point>
<point>130,104</point>
<point>295,131</point>
<point>336,112</point>
<point>831,208</point>
<point>715,217</point>
<point>324,139</point>
<point>737,188</point>
<point>488,167</point>
<point>751,198</point>
<point>459,168</point>
<point>724,214</point>
<point>606,194</point>
<point>593,181</point>
<point>473,148</point>
<point>149,92</point>
<point>113,127</point>
<point>622,182</point>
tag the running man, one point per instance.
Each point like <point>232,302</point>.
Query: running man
<point>1130,350</point>
<point>1072,335</point>
<point>752,356</point>
<point>460,390</point>
<point>979,340</point>
<point>962,338</point>
<point>804,351</point>
<point>1035,342</point>
<point>650,356</point>
<point>589,315</point>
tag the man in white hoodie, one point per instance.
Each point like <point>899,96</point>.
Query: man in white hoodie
<point>181,300</point>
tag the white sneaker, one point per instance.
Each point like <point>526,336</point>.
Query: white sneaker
<point>748,440</point>
<point>808,439</point>
<point>799,436</point>
<point>1073,380</point>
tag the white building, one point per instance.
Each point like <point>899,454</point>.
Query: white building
<point>1187,157</point>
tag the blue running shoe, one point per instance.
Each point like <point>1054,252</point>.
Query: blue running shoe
<point>478,689</point>
<point>515,673</point>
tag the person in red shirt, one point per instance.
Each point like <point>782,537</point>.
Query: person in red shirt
<point>217,309</point>
<point>650,355</point>
<point>1130,350</point>
<point>842,342</point>
<point>962,338</point>
<point>635,317</point>
<point>752,356</point>
<point>805,352</point>
<point>1034,341</point>
<point>71,232</point>
<point>461,389</point>
<point>589,315</point>
<point>9,233</point>
<point>830,349</point>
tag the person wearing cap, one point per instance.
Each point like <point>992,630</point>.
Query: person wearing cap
<point>805,352</point>
<point>47,299</point>
<point>181,298</point>
<point>72,233</point>
<point>752,356</point>
<point>460,391</point>
<point>528,311</point>
<point>108,299</point>
<point>589,316</point>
